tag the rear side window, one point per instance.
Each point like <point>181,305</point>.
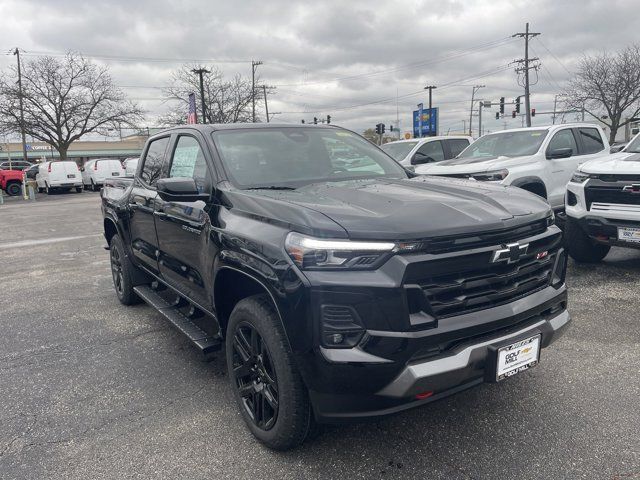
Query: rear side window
<point>188,161</point>
<point>563,139</point>
<point>433,150</point>
<point>153,161</point>
<point>591,140</point>
<point>457,145</point>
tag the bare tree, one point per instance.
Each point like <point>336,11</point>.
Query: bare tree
<point>608,88</point>
<point>64,99</point>
<point>226,100</point>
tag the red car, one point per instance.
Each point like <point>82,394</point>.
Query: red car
<point>11,181</point>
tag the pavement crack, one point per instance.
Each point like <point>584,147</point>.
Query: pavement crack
<point>32,423</point>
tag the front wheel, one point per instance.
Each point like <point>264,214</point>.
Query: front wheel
<point>122,270</point>
<point>580,247</point>
<point>268,389</point>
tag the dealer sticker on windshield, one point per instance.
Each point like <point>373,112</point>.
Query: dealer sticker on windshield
<point>518,357</point>
<point>629,234</point>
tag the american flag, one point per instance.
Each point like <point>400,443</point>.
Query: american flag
<point>192,117</point>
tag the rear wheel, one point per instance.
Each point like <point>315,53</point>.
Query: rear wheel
<point>13,189</point>
<point>580,247</point>
<point>268,389</point>
<point>122,270</point>
<point>79,189</point>
<point>94,187</point>
<point>48,190</point>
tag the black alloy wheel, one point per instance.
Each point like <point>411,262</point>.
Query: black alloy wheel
<point>255,376</point>
<point>116,271</point>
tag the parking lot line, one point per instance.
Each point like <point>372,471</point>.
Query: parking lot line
<point>31,243</point>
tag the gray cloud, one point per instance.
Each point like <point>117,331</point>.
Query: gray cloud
<point>327,56</point>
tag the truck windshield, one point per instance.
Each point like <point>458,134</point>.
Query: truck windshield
<point>634,145</point>
<point>398,150</point>
<point>507,144</point>
<point>290,157</point>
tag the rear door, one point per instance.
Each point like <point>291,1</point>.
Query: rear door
<point>185,244</point>
<point>454,147</point>
<point>428,153</point>
<point>71,172</point>
<point>142,203</point>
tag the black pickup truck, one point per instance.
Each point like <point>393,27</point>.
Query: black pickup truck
<point>340,285</point>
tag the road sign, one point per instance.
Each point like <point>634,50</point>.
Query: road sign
<point>407,136</point>
<point>426,124</point>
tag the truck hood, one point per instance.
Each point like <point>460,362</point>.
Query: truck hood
<point>472,165</point>
<point>390,209</point>
<point>618,163</point>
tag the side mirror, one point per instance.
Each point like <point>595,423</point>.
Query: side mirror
<point>559,153</point>
<point>180,189</point>
<point>420,159</point>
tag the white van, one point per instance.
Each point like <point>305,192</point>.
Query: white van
<point>95,171</point>
<point>130,166</point>
<point>60,174</point>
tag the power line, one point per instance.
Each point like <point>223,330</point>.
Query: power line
<point>556,58</point>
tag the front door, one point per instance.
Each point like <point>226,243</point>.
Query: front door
<point>186,250</point>
<point>142,203</point>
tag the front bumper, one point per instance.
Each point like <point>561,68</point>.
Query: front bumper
<point>466,364</point>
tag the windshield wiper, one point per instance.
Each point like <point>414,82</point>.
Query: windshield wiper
<point>271,187</point>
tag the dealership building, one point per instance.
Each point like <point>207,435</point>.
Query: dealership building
<point>80,151</point>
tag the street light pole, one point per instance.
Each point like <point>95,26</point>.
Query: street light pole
<point>16,52</point>
<point>254,65</point>
<point>200,72</point>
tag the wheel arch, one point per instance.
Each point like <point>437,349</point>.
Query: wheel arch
<point>531,184</point>
<point>230,286</point>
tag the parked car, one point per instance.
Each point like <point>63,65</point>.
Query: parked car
<point>341,292</point>
<point>11,181</point>
<point>538,159</point>
<point>130,165</point>
<point>58,175</point>
<point>603,205</point>
<point>95,171</point>
<point>32,171</point>
<point>418,151</point>
<point>15,165</point>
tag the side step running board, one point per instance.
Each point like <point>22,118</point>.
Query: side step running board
<point>201,339</point>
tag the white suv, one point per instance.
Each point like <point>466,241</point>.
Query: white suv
<point>538,159</point>
<point>603,205</point>
<point>418,151</point>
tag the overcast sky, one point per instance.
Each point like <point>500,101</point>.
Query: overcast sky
<point>355,60</point>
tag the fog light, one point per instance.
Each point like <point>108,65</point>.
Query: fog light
<point>337,338</point>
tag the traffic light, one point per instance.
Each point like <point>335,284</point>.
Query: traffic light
<point>379,128</point>
<point>328,119</point>
<point>383,127</point>
<point>391,128</point>
<point>533,112</point>
<point>498,115</point>
<point>513,114</point>
<point>315,120</point>
<point>518,105</point>
<point>501,106</point>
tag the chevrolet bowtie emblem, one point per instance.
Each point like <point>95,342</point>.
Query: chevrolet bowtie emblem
<point>510,254</point>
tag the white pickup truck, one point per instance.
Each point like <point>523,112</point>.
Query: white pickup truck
<point>538,159</point>
<point>603,205</point>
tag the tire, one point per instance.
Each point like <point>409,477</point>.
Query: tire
<point>40,189</point>
<point>580,247</point>
<point>13,189</point>
<point>47,190</point>
<point>94,187</point>
<point>121,271</point>
<point>262,374</point>
<point>78,189</point>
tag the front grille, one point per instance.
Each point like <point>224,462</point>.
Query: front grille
<point>610,194</point>
<point>472,282</point>
<point>508,235</point>
<point>612,178</point>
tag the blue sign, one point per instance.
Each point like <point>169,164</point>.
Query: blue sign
<point>425,125</point>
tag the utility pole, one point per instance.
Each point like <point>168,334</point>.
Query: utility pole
<point>430,88</point>
<point>397,114</point>
<point>526,67</point>
<point>16,52</point>
<point>480,119</point>
<point>266,107</point>
<point>254,65</point>
<point>473,96</point>
<point>200,72</point>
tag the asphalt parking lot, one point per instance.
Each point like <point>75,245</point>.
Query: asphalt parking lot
<point>92,389</point>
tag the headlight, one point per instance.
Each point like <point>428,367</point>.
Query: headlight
<point>494,176</point>
<point>551,218</point>
<point>581,177</point>
<point>309,252</point>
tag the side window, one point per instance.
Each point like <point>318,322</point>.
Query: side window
<point>433,150</point>
<point>591,140</point>
<point>563,139</point>
<point>153,161</point>
<point>188,161</point>
<point>456,146</point>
